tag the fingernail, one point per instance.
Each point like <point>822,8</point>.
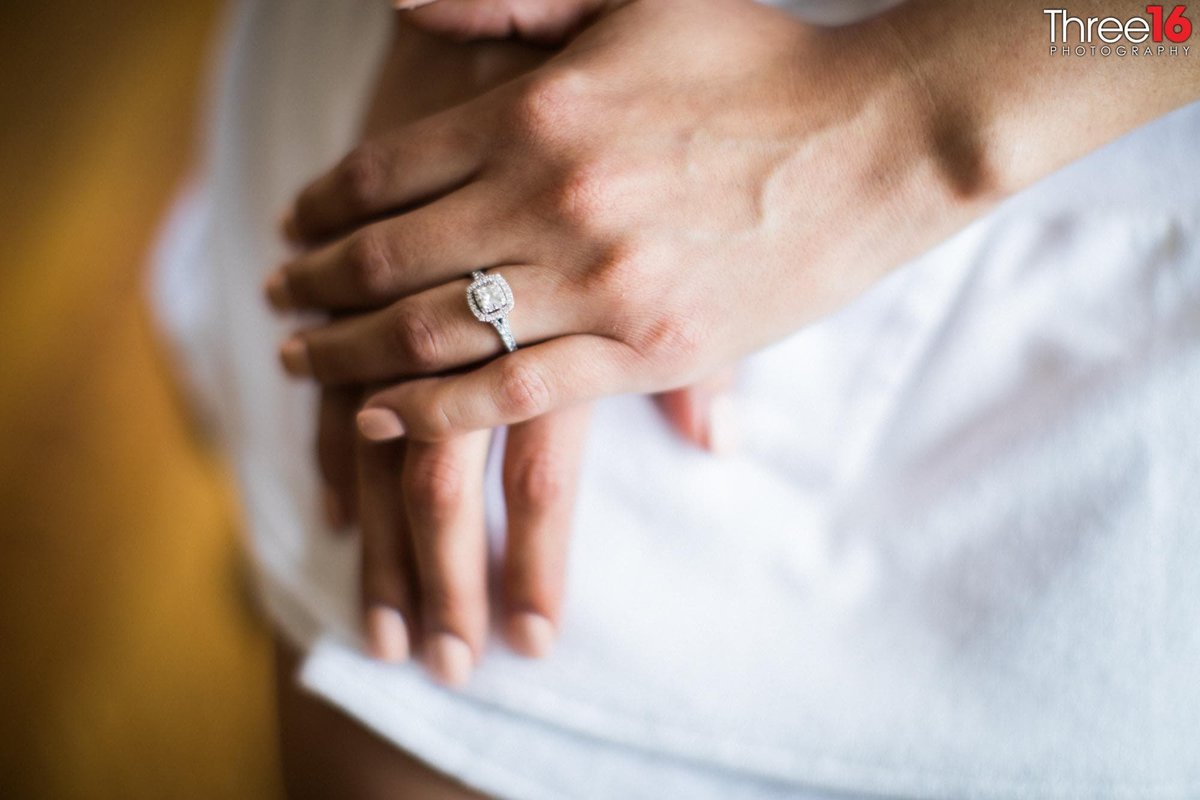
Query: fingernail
<point>336,513</point>
<point>409,5</point>
<point>531,634</point>
<point>276,290</point>
<point>379,424</point>
<point>449,659</point>
<point>387,634</point>
<point>723,437</point>
<point>294,355</point>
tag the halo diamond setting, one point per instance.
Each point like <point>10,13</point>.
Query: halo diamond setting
<point>490,297</point>
<point>491,300</point>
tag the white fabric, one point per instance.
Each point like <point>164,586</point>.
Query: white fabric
<point>956,554</point>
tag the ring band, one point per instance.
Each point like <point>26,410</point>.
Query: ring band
<point>491,301</point>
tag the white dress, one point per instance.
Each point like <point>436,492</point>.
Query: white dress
<point>956,555</point>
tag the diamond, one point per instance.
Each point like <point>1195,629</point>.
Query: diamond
<point>490,298</point>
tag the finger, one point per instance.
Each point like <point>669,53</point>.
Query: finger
<point>409,165</point>
<point>443,494</point>
<point>389,576</point>
<point>336,436</point>
<point>530,20</point>
<point>431,332</point>
<point>508,390</point>
<point>703,412</point>
<point>398,256</point>
<point>541,469</point>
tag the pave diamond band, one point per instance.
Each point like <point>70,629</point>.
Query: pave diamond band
<point>491,300</point>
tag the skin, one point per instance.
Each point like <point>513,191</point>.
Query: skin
<point>420,506</point>
<point>324,753</point>
<point>543,21</point>
<point>601,173</point>
<point>785,169</point>
<point>417,506</point>
<point>666,196</point>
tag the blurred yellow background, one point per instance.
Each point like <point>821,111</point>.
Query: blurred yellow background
<point>131,665</point>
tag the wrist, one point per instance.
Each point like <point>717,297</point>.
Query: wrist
<point>1004,112</point>
<point>908,165</point>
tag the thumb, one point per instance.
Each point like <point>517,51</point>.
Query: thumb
<point>703,413</point>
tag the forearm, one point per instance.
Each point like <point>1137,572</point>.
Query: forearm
<point>1008,110</point>
<point>945,108</point>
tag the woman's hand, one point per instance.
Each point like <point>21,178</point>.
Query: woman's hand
<point>665,196</point>
<point>420,75</point>
<point>685,183</point>
<point>420,507</point>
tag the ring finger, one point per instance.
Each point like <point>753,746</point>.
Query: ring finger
<point>432,332</point>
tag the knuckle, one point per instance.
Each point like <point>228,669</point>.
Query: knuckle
<point>438,424</point>
<point>538,480</point>
<point>673,338</point>
<point>617,275</point>
<point>415,340</point>
<point>581,197</point>
<point>523,392</point>
<point>368,263</point>
<point>546,104</point>
<point>435,485</point>
<point>362,177</point>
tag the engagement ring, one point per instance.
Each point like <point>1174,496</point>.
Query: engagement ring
<point>491,300</point>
